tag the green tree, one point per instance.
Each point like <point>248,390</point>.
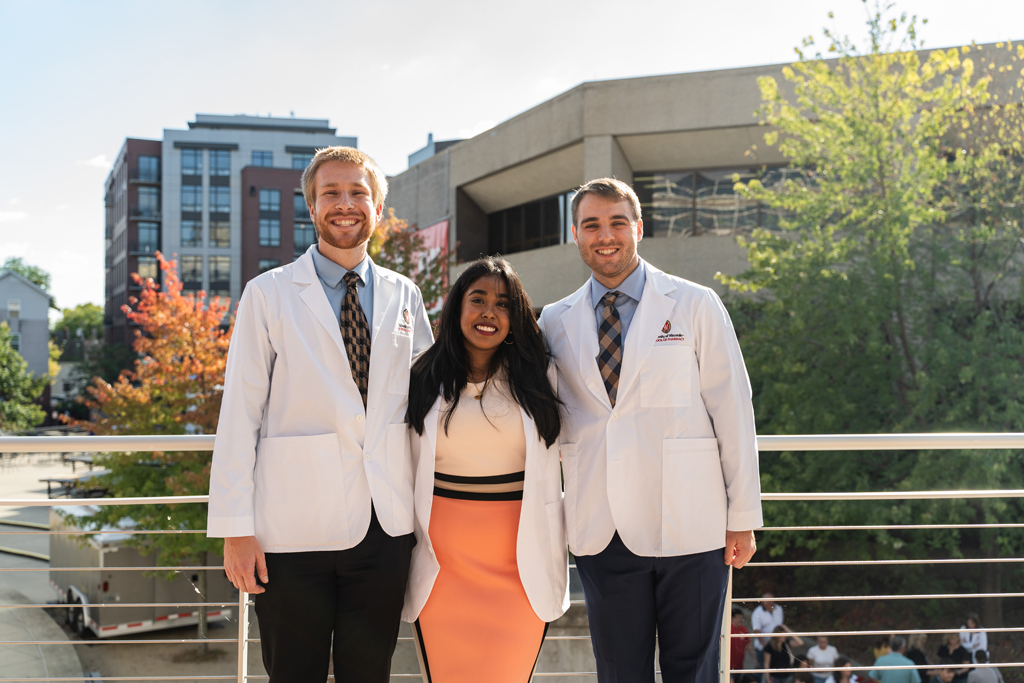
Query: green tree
<point>19,390</point>
<point>396,246</point>
<point>85,317</point>
<point>890,299</point>
<point>33,273</point>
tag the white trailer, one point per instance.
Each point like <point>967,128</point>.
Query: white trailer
<point>87,591</point>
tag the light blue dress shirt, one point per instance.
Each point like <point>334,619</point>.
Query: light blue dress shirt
<point>331,277</point>
<point>632,289</point>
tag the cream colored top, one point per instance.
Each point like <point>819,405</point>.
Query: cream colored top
<point>485,438</point>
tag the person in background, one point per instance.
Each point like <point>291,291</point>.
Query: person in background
<point>974,641</point>
<point>843,673</point>
<point>881,646</point>
<point>986,674</point>
<point>738,646</point>
<point>946,673</point>
<point>898,646</point>
<point>958,654</point>
<point>766,618</point>
<point>822,656</point>
<point>915,649</point>
<point>778,654</point>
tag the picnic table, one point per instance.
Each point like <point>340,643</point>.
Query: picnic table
<point>75,486</point>
<point>76,459</point>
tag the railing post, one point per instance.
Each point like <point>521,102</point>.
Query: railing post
<point>726,637</point>
<point>243,636</point>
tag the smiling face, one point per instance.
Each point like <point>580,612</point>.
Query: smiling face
<point>607,236</point>
<point>343,209</point>
<point>485,318</point>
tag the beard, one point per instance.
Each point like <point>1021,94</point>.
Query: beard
<point>351,241</point>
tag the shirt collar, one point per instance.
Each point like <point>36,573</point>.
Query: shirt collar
<point>632,286</point>
<point>332,274</point>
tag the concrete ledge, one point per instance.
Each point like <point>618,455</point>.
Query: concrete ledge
<point>33,661</point>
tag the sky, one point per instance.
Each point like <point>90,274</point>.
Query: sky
<point>77,78</point>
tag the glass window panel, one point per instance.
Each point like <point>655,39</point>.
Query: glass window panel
<point>301,210</point>
<point>191,162</point>
<point>192,198</point>
<point>192,271</point>
<point>496,233</point>
<point>551,220</point>
<point>149,201</point>
<point>775,179</point>
<point>220,162</point>
<point>531,226</point>
<point>220,199</point>
<point>301,161</point>
<point>191,233</point>
<point>268,264</point>
<point>149,168</point>
<point>220,234</point>
<point>305,237</point>
<point>270,200</point>
<point>666,203</point>
<point>514,230</point>
<point>220,269</point>
<point>720,209</point>
<point>148,269</point>
<point>262,158</point>
<point>149,236</point>
<point>270,232</point>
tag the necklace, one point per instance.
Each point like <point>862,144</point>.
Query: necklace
<point>482,389</point>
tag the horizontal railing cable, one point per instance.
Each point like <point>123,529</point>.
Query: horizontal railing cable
<point>891,527</point>
<point>903,632</point>
<point>126,532</point>
<point>106,569</point>
<point>859,563</point>
<point>935,596</point>
<point>91,605</point>
<point>97,641</point>
<point>894,495</point>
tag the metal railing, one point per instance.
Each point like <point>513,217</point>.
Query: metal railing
<point>872,442</point>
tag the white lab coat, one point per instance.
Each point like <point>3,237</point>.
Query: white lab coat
<point>540,546</point>
<point>297,460</point>
<point>674,464</point>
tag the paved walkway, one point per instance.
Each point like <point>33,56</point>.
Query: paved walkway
<point>33,661</point>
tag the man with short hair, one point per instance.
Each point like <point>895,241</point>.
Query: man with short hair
<point>311,485</point>
<point>983,674</point>
<point>658,448</point>
<point>822,656</point>
<point>896,657</point>
<point>766,618</point>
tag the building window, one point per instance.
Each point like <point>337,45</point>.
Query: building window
<point>301,210</point>
<point>13,309</point>
<point>192,272</point>
<point>270,232</point>
<point>16,342</point>
<point>192,198</point>
<point>301,161</point>
<point>537,224</point>
<point>191,162</point>
<point>220,162</point>
<point>691,203</point>
<point>270,201</point>
<point>220,234</point>
<point>220,276</point>
<point>220,199</point>
<point>269,264</point>
<point>149,168</point>
<point>149,237</point>
<point>148,269</point>
<point>262,158</point>
<point>191,233</point>
<point>305,236</point>
<point>149,202</point>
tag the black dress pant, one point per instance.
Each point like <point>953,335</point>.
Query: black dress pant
<point>631,598</point>
<point>356,595</point>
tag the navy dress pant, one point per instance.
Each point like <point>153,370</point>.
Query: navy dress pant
<point>351,599</point>
<point>631,598</point>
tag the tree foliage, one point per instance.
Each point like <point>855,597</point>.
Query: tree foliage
<point>891,298</point>
<point>18,388</point>
<point>398,247</point>
<point>34,274</point>
<point>85,317</point>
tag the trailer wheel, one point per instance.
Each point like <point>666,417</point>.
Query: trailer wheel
<point>76,618</point>
<point>69,618</point>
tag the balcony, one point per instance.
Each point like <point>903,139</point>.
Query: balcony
<point>566,653</point>
<point>145,213</point>
<point>108,262</point>
<point>142,248</point>
<point>139,177</point>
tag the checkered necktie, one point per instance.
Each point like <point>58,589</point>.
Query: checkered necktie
<point>356,334</point>
<point>609,339</point>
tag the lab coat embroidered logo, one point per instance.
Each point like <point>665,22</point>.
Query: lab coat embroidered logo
<point>667,335</point>
<point>405,328</point>
<point>667,328</point>
<point>405,315</point>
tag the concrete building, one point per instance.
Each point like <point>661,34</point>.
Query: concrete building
<point>185,194</point>
<point>25,307</point>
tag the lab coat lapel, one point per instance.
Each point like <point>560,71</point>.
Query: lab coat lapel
<point>581,331</point>
<point>383,300</point>
<point>313,296</point>
<point>654,309</point>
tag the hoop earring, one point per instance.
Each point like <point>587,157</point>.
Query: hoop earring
<point>507,340</point>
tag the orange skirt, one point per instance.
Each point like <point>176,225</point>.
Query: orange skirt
<point>478,624</point>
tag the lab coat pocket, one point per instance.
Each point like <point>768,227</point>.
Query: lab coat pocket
<point>400,475</point>
<point>666,378</point>
<point>298,499</point>
<point>693,493</point>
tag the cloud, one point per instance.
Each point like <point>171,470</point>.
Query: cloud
<point>478,128</point>
<point>98,161</point>
<point>11,216</point>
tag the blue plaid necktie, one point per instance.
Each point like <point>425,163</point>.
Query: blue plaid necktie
<point>609,339</point>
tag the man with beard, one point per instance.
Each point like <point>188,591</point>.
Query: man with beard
<point>311,485</point>
<point>658,448</point>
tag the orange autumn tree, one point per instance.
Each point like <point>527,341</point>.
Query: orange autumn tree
<point>175,388</point>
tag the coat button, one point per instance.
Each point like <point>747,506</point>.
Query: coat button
<point>615,416</point>
<point>359,418</point>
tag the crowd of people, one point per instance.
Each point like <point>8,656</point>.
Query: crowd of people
<point>773,643</point>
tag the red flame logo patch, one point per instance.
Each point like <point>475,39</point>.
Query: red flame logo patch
<point>667,328</point>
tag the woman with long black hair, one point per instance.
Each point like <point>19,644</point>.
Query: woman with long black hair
<point>490,568</point>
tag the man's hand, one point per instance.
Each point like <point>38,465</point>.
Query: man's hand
<point>739,547</point>
<point>243,559</point>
